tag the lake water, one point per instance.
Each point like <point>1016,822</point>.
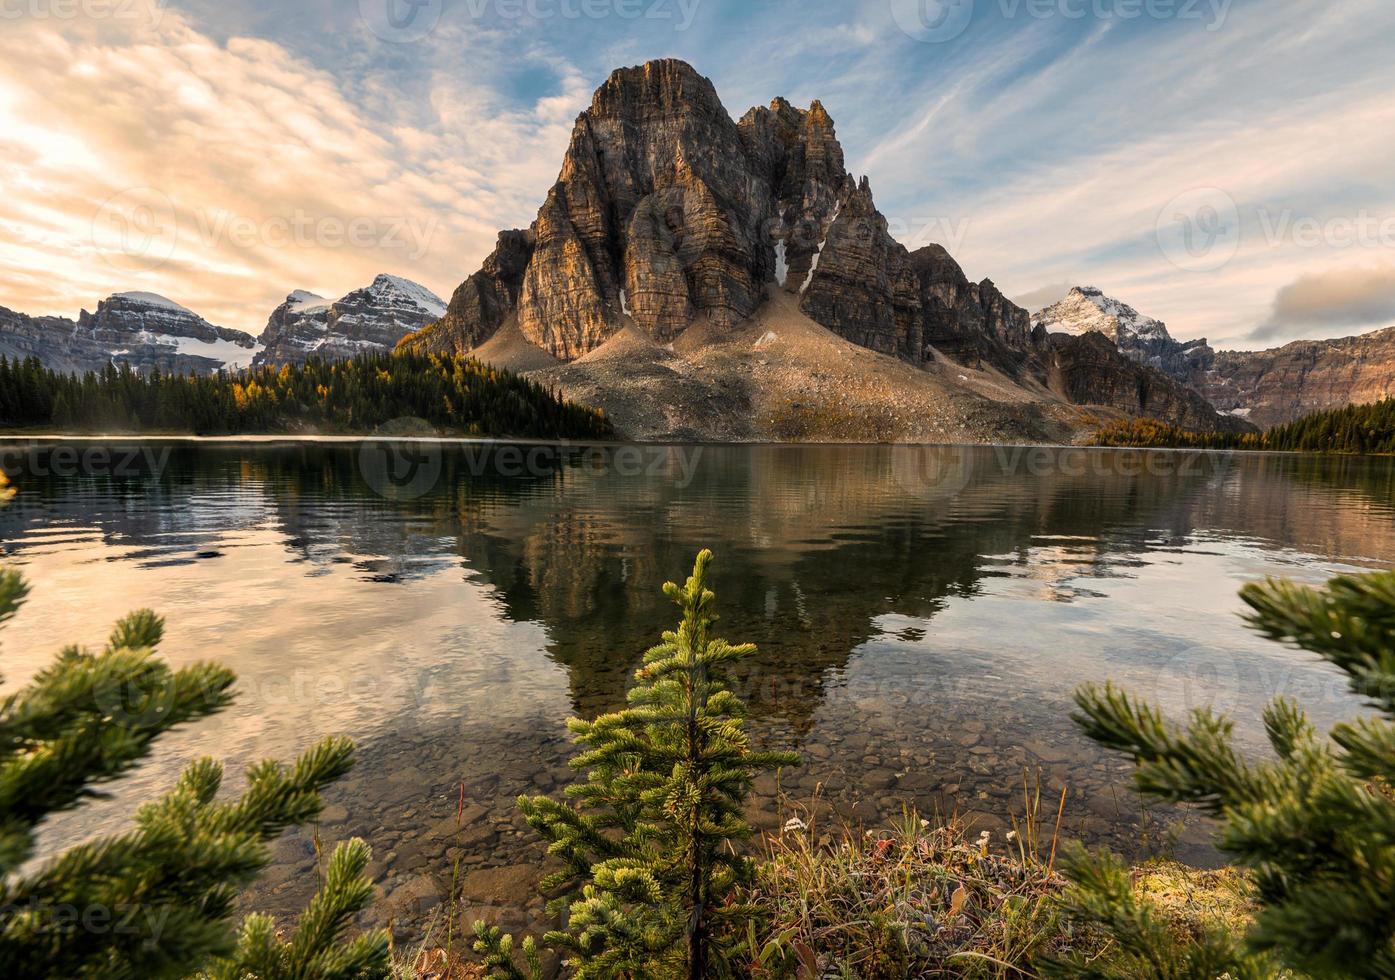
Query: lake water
<point>923,616</point>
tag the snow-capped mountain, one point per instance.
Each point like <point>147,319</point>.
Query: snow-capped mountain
<point>1143,339</point>
<point>145,330</point>
<point>1087,308</point>
<point>373,318</point>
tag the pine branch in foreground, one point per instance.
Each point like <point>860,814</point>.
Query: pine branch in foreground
<point>1314,825</point>
<point>157,900</point>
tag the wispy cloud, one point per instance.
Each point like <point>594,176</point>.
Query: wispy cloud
<point>148,155</point>
<point>1054,147</point>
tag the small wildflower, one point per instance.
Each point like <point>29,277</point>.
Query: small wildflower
<point>795,824</point>
<point>1012,835</point>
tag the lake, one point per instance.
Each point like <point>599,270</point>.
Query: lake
<point>923,616</point>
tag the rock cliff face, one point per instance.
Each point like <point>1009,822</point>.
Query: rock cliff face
<point>1089,369</point>
<point>667,213</point>
<point>1265,388</point>
<point>484,301</point>
<point>52,339</point>
<point>143,330</point>
<point>373,318</point>
<point>1271,387</point>
<point>1140,338</point>
<point>971,322</point>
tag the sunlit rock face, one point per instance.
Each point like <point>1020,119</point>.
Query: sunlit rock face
<point>1271,387</point>
<point>667,212</point>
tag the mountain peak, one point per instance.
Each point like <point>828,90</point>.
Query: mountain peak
<point>1087,308</point>
<point>151,299</point>
<point>655,89</point>
<point>372,317</point>
<point>302,300</point>
<point>412,292</point>
<point>666,213</point>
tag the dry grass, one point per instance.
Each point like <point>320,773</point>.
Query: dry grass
<point>918,900</point>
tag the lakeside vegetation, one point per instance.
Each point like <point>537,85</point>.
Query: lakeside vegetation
<point>1354,429</point>
<point>452,394</point>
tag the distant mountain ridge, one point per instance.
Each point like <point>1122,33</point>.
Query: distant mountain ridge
<point>1267,388</point>
<point>1272,387</point>
<point>143,330</point>
<point>372,318</point>
<point>150,332</point>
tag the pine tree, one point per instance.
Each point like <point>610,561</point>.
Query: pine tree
<point>650,866</point>
<point>1315,826</point>
<point>158,899</point>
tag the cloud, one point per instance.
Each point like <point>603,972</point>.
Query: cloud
<point>1329,301</point>
<point>1043,296</point>
<point>144,155</point>
<point>1053,144</point>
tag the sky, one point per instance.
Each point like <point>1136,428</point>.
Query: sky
<point>1223,165</point>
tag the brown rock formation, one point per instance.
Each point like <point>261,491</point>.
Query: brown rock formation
<point>1271,387</point>
<point>483,301</point>
<point>1090,370</point>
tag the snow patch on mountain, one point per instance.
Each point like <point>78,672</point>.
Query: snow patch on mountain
<point>155,300</point>
<point>304,301</point>
<point>413,292</point>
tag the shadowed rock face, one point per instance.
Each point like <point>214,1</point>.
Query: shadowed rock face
<point>971,322</point>
<point>667,211</point>
<point>1090,370</point>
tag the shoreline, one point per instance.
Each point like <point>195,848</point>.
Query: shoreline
<point>12,437</point>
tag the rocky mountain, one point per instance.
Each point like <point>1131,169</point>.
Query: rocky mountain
<point>1140,338</point>
<point>1270,387</point>
<point>1090,369</point>
<point>667,213</point>
<point>143,330</point>
<point>373,318</point>
<point>1266,388</point>
<point>680,252</point>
